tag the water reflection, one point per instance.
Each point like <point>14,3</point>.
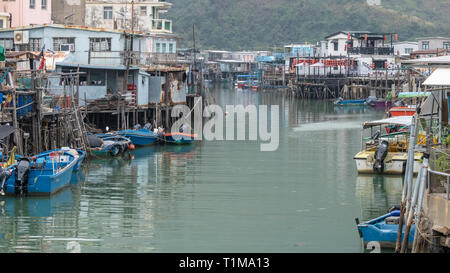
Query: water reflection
<point>377,194</point>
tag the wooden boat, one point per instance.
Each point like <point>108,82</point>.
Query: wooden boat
<point>386,153</point>
<point>179,138</point>
<point>140,137</point>
<point>384,230</point>
<point>109,145</point>
<point>43,174</point>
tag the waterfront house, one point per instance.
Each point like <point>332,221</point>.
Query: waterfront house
<point>365,51</point>
<point>24,13</point>
<point>99,53</point>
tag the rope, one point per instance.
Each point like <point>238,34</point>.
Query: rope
<point>425,235</point>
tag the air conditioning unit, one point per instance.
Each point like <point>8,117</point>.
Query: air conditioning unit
<point>21,37</point>
<point>67,47</point>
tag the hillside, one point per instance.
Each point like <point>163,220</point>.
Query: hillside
<point>263,24</point>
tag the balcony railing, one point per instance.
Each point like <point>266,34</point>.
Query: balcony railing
<point>137,58</point>
<point>162,25</point>
<point>371,51</point>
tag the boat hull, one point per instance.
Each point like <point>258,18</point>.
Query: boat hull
<point>395,165</point>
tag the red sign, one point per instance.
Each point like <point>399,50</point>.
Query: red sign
<point>131,87</point>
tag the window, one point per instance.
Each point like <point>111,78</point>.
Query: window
<point>171,48</point>
<point>408,50</point>
<point>7,43</point>
<point>425,45</point>
<point>33,45</point>
<point>100,44</point>
<point>446,45</point>
<point>43,4</point>
<point>107,12</point>
<point>336,45</point>
<point>164,48</point>
<point>158,46</point>
<point>57,42</point>
<point>144,11</point>
<point>32,4</point>
<point>1,23</point>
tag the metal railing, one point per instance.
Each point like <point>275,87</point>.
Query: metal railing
<point>371,50</point>
<point>136,58</point>
<point>447,187</point>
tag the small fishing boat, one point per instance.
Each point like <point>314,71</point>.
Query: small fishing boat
<point>386,153</point>
<point>342,102</point>
<point>380,104</point>
<point>109,145</point>
<point>140,137</point>
<point>43,174</point>
<point>179,138</point>
<point>384,230</point>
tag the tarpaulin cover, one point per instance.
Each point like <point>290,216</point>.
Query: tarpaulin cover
<point>6,130</point>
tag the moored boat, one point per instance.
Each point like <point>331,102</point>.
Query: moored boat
<point>109,145</point>
<point>386,153</point>
<point>43,174</point>
<point>342,102</point>
<point>384,230</point>
<point>140,137</point>
<point>402,111</point>
<point>179,138</point>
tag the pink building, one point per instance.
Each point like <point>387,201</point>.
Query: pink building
<point>28,12</point>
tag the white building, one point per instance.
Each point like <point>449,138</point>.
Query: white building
<point>144,15</point>
<point>404,49</point>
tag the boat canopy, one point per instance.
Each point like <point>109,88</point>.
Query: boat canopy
<point>403,95</point>
<point>402,121</point>
<point>5,131</point>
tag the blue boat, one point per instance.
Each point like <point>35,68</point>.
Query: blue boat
<point>384,230</point>
<point>342,102</point>
<point>43,174</point>
<point>179,138</point>
<point>140,137</point>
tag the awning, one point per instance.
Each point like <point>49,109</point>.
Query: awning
<point>402,121</point>
<point>430,106</point>
<point>403,95</point>
<point>440,77</point>
<point>6,130</point>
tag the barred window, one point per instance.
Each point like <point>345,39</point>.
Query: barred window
<point>7,43</point>
<point>100,44</point>
<point>33,45</point>
<point>58,41</point>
